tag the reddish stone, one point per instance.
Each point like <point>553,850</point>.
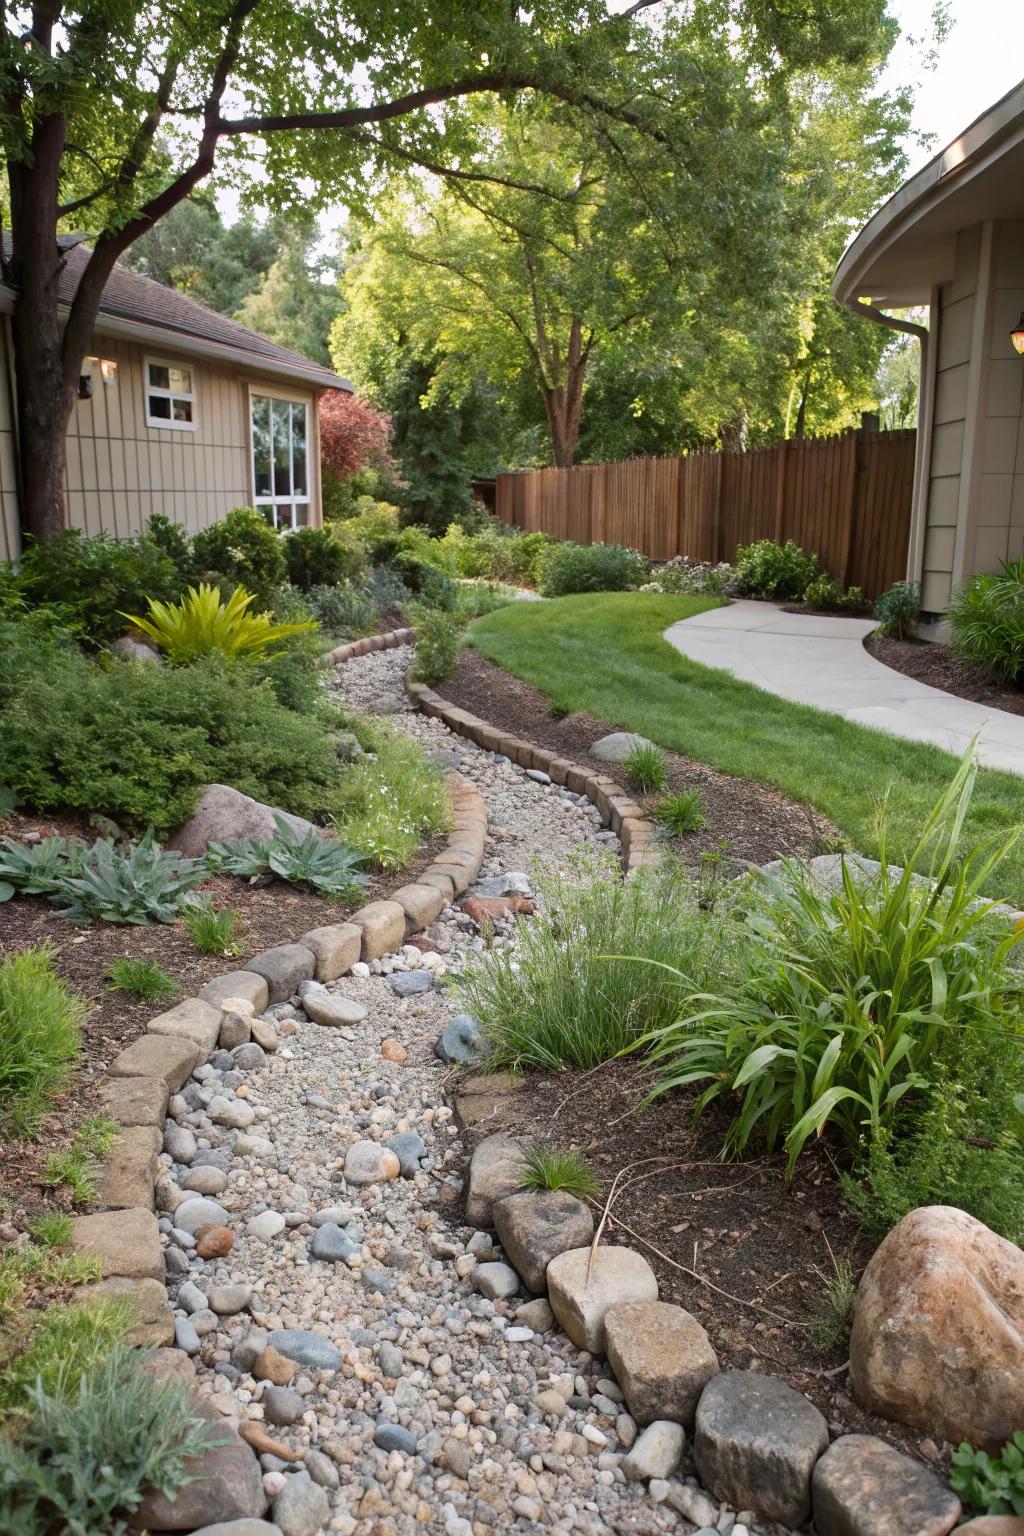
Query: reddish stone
<point>265,1445</point>
<point>427,946</point>
<point>490,909</point>
<point>393,1050</point>
<point>214,1242</point>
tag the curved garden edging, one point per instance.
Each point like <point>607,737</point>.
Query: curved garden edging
<point>124,1235</point>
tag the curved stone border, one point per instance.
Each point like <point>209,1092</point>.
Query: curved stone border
<point>123,1234</point>
<point>363,647</point>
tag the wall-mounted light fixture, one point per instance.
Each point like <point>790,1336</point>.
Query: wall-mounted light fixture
<point>1017,336</point>
<point>108,370</point>
<point>85,386</point>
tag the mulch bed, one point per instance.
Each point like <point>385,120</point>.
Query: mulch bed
<point>940,667</point>
<point>271,914</point>
<point>739,1225</point>
<point>748,823</point>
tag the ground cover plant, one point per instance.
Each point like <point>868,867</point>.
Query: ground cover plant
<point>987,616</point>
<point>990,1485</point>
<point>676,815</point>
<point>325,864</point>
<point>392,798</point>
<point>211,930</point>
<point>143,979</point>
<point>605,654</point>
<point>40,1025</point>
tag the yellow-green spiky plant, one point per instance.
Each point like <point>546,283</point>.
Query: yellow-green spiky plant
<point>202,623</point>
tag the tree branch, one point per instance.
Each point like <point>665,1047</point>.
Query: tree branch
<point>450,173</point>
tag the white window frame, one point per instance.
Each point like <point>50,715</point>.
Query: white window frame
<point>151,390</point>
<point>273,501</point>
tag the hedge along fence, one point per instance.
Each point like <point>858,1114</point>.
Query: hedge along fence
<point>847,498</point>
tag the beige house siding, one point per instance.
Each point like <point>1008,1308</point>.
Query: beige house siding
<point>976,479</point>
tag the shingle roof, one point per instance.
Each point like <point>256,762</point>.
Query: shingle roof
<point>140,300</point>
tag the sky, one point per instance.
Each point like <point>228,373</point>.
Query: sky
<point>982,58</point>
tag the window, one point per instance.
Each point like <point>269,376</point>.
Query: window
<point>170,395</point>
<point>279,470</point>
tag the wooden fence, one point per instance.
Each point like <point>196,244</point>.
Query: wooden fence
<point>845,498</point>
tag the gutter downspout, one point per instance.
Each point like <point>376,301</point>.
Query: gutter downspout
<point>922,445</point>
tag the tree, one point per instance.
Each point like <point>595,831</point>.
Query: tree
<point>113,113</point>
<point>353,436</point>
<point>295,303</point>
<point>194,251</point>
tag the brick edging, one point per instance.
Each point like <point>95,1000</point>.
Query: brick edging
<point>386,642</point>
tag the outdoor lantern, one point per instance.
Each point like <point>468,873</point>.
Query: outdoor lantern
<point>1017,336</point>
<point>108,370</point>
<point>85,386</point>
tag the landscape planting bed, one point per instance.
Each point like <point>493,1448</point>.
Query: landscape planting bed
<point>940,667</point>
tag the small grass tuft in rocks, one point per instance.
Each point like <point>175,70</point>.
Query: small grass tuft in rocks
<point>680,813</point>
<point>76,1165</point>
<point>557,1168</point>
<point>834,1318</point>
<point>51,1229</point>
<point>142,979</point>
<point>645,767</point>
<point>211,931</point>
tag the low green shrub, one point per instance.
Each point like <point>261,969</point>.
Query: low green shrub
<point>242,550</point>
<point>120,883</point>
<point>388,593</point>
<point>315,557</point>
<point>567,997</point>
<point>327,866</point>
<point>827,594</point>
<point>645,767</point>
<point>557,1168</point>
<point>431,586</point>
<point>142,979</point>
<point>990,1485</point>
<point>391,798</point>
<point>844,997</point>
<point>83,1458</point>
<point>344,609</point>
<point>375,526</point>
<point>566,567</point>
<point>439,638</point>
<point>770,570</point>
<point>987,616</point>
<point>89,581</point>
<point>678,814</point>
<point>40,1024</point>
<point>204,623</point>
<point>898,609</point>
<point>212,931</point>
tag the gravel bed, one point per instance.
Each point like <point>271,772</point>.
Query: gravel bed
<point>432,1423</point>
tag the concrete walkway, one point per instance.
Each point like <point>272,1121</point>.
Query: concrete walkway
<point>819,660</point>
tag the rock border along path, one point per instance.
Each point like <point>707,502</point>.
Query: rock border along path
<point>385,1365</point>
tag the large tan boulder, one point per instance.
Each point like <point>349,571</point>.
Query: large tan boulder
<point>224,813</point>
<point>938,1330</point>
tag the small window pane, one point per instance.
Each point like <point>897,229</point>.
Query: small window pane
<point>160,406</point>
<point>301,514</point>
<point>261,444</point>
<point>181,380</point>
<point>299,450</point>
<point>282,461</point>
<point>182,410</point>
<point>159,376</point>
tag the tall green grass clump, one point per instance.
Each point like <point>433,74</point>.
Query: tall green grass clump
<point>40,1020</point>
<point>564,998</point>
<point>391,798</point>
<point>847,1000</point>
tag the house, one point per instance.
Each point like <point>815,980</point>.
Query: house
<point>952,239</point>
<point>180,411</point>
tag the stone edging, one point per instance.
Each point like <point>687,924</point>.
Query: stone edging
<point>124,1234</point>
<point>363,647</point>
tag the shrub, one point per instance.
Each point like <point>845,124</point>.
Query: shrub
<point>89,581</point>
<point>353,552</point>
<point>844,996</point>
<point>121,884</point>
<point>241,550</point>
<point>316,558</point>
<point>211,931</point>
<point>392,796</point>
<point>567,998</point>
<point>142,979</point>
<point>40,1020</point>
<point>438,643</point>
<point>375,525</point>
<point>898,610</point>
<point>645,767</point>
<point>566,567</point>
<point>987,615</point>
<point>201,624</point>
<point>344,609</point>
<point>781,571</point>
<point>828,594</point>
<point>685,575</point>
<point>680,813</point>
<point>173,541</point>
<point>556,1168</point>
<point>990,1485</point>
<point>84,1457</point>
<point>321,863</point>
<point>433,588</point>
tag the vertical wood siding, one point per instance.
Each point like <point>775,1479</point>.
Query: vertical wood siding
<point>846,498</point>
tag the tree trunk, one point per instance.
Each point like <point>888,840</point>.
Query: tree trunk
<point>564,403</point>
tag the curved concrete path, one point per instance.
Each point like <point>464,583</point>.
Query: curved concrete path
<point>820,660</point>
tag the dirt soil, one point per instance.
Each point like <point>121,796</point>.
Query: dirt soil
<point>747,823</point>
<point>270,914</point>
<point>940,667</point>
<point>763,1249</point>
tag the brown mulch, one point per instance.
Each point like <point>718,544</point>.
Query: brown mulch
<point>763,1248</point>
<point>270,914</point>
<point>940,667</point>
<point>748,823</point>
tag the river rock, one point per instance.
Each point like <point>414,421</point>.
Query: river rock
<point>460,1041</point>
<point>756,1444</point>
<point>329,1009</point>
<point>205,1180</point>
<point>662,1359</point>
<point>200,1212</point>
<point>332,1245</point>
<point>496,1281</point>
<point>305,1346</point>
<point>656,1453</point>
<point>409,983</point>
<point>534,1226</point>
<point>282,1406</point>
<point>495,1170</point>
<point>302,1508</point>
<point>938,1329</point>
<point>862,1487</point>
<point>227,1484</point>
<point>582,1292</point>
<point>410,1149</point>
<point>370,1162</point>
<point>235,1113</point>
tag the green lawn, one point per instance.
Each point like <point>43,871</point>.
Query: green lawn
<point>605,654</point>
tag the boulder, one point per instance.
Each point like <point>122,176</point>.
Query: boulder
<point>486,1099</point>
<point>129,1169</point>
<point>382,925</point>
<point>193,1019</point>
<point>336,948</point>
<point>662,1359</point>
<point>534,1226</point>
<point>135,648</point>
<point>495,1170</point>
<point>862,1487</point>
<point>236,984</point>
<point>617,747</point>
<point>154,1321</point>
<point>582,1292</point>
<point>227,1485</point>
<point>460,1041</point>
<point>134,1100</point>
<point>224,813</point>
<point>160,1056</point>
<point>756,1444</point>
<point>938,1330</point>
